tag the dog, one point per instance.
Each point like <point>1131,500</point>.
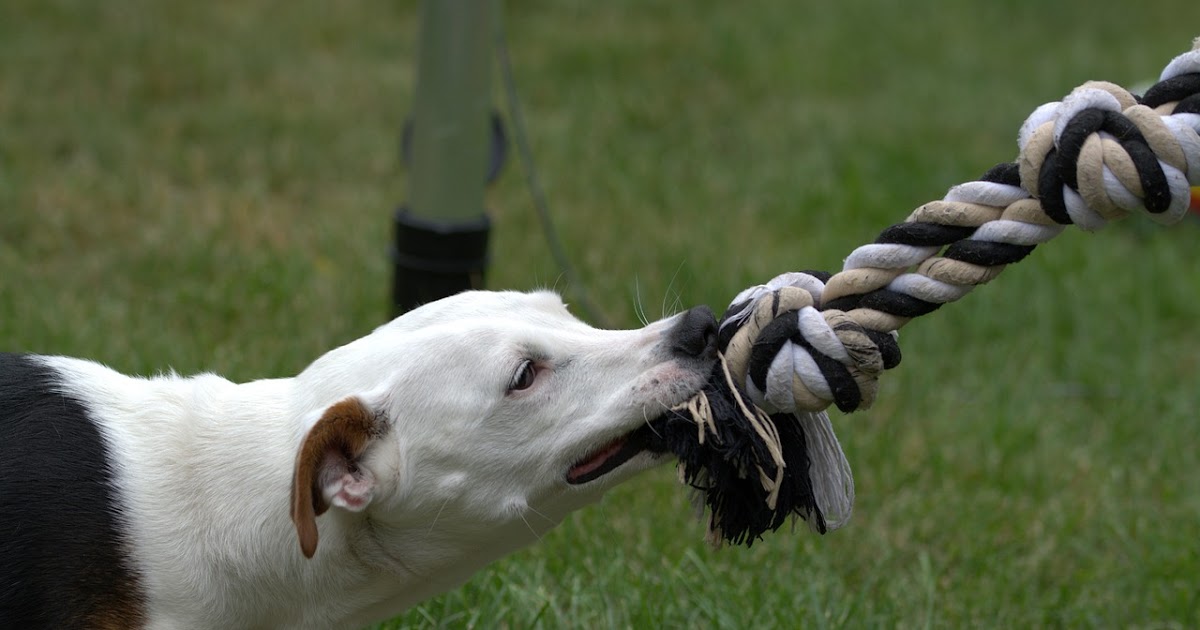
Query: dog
<point>389,470</point>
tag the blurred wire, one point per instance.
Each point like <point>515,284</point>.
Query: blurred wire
<point>525,156</point>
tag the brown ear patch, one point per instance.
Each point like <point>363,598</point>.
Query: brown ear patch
<point>336,440</point>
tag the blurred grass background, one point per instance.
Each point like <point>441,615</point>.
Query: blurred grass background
<point>207,186</point>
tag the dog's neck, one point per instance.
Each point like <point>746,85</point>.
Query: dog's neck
<point>368,565</point>
<point>421,556</point>
<point>361,567</point>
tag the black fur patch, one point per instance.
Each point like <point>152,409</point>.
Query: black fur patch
<point>62,552</point>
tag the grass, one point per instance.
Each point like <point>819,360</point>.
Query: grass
<point>207,186</point>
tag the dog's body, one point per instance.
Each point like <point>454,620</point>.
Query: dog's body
<point>415,455</point>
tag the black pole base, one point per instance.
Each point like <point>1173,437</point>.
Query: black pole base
<point>435,259</point>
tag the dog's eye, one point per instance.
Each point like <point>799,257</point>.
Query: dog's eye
<point>524,377</point>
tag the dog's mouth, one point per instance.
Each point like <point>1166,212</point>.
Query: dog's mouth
<point>609,457</point>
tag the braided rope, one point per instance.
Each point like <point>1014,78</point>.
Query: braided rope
<point>806,340</point>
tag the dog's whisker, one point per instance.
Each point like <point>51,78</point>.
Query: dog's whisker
<point>638,308</point>
<point>531,529</point>
<point>535,511</point>
<point>650,423</point>
<point>675,304</point>
<point>437,516</point>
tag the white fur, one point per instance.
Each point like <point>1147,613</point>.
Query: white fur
<point>467,471</point>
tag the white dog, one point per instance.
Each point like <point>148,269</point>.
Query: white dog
<point>388,471</point>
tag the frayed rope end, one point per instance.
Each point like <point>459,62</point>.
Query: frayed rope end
<point>755,470</point>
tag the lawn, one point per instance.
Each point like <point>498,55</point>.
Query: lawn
<point>208,186</point>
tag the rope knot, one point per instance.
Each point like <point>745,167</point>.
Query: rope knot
<point>790,355</point>
<point>1103,153</point>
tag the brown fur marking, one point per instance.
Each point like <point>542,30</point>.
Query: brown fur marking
<point>344,431</point>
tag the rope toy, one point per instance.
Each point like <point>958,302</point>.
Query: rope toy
<point>757,444</point>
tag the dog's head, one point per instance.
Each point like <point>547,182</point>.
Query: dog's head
<point>488,409</point>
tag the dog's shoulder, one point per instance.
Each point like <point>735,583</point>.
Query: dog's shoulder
<point>63,554</point>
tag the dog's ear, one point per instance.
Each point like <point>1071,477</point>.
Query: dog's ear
<point>327,471</point>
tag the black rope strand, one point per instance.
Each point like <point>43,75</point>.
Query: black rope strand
<point>1174,89</point>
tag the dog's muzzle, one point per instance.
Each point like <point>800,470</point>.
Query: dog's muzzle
<point>692,338</point>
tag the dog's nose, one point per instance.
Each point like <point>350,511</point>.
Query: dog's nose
<point>695,334</point>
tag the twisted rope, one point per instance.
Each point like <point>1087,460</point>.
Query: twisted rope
<point>804,341</point>
<point>807,340</point>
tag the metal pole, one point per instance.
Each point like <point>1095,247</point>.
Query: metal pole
<point>442,234</point>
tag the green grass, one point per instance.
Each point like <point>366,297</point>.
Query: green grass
<point>207,186</point>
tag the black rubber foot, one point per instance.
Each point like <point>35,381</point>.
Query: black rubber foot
<point>434,260</point>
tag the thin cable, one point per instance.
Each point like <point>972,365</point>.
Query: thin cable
<point>533,182</point>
